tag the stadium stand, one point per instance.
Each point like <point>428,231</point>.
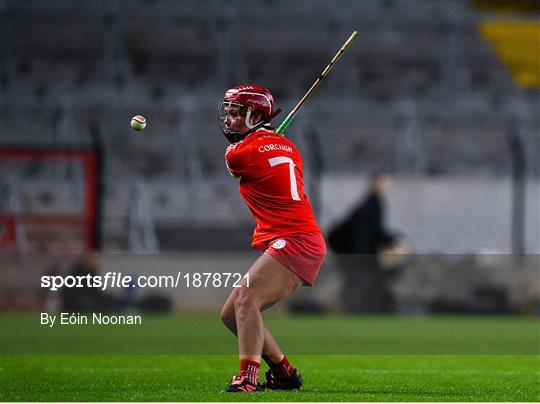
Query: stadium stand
<point>421,92</point>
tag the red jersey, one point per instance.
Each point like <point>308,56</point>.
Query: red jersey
<point>270,168</point>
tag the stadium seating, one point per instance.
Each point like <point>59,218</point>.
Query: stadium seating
<point>419,75</point>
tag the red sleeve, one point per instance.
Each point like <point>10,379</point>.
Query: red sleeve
<point>237,159</point>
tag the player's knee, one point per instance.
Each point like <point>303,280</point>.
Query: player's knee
<point>245,300</point>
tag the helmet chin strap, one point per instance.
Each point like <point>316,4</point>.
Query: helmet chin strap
<point>248,118</point>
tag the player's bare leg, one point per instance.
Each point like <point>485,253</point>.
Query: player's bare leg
<point>269,282</point>
<point>271,348</point>
<point>271,352</point>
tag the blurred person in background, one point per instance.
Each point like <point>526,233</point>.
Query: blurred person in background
<point>86,298</point>
<point>271,183</point>
<point>365,251</point>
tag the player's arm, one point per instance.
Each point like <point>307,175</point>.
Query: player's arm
<point>231,171</point>
<point>237,159</point>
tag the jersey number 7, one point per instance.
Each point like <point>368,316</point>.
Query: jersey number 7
<point>274,161</point>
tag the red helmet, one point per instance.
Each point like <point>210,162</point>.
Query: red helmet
<point>248,98</point>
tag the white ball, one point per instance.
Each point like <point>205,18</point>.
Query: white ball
<point>138,122</point>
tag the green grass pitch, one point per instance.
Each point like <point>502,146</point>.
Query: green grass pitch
<point>191,358</point>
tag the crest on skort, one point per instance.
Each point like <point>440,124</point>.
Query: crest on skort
<point>279,244</point>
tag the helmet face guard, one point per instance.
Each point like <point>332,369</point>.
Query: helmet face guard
<point>233,109</point>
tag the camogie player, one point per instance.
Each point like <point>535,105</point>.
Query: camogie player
<point>269,167</point>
